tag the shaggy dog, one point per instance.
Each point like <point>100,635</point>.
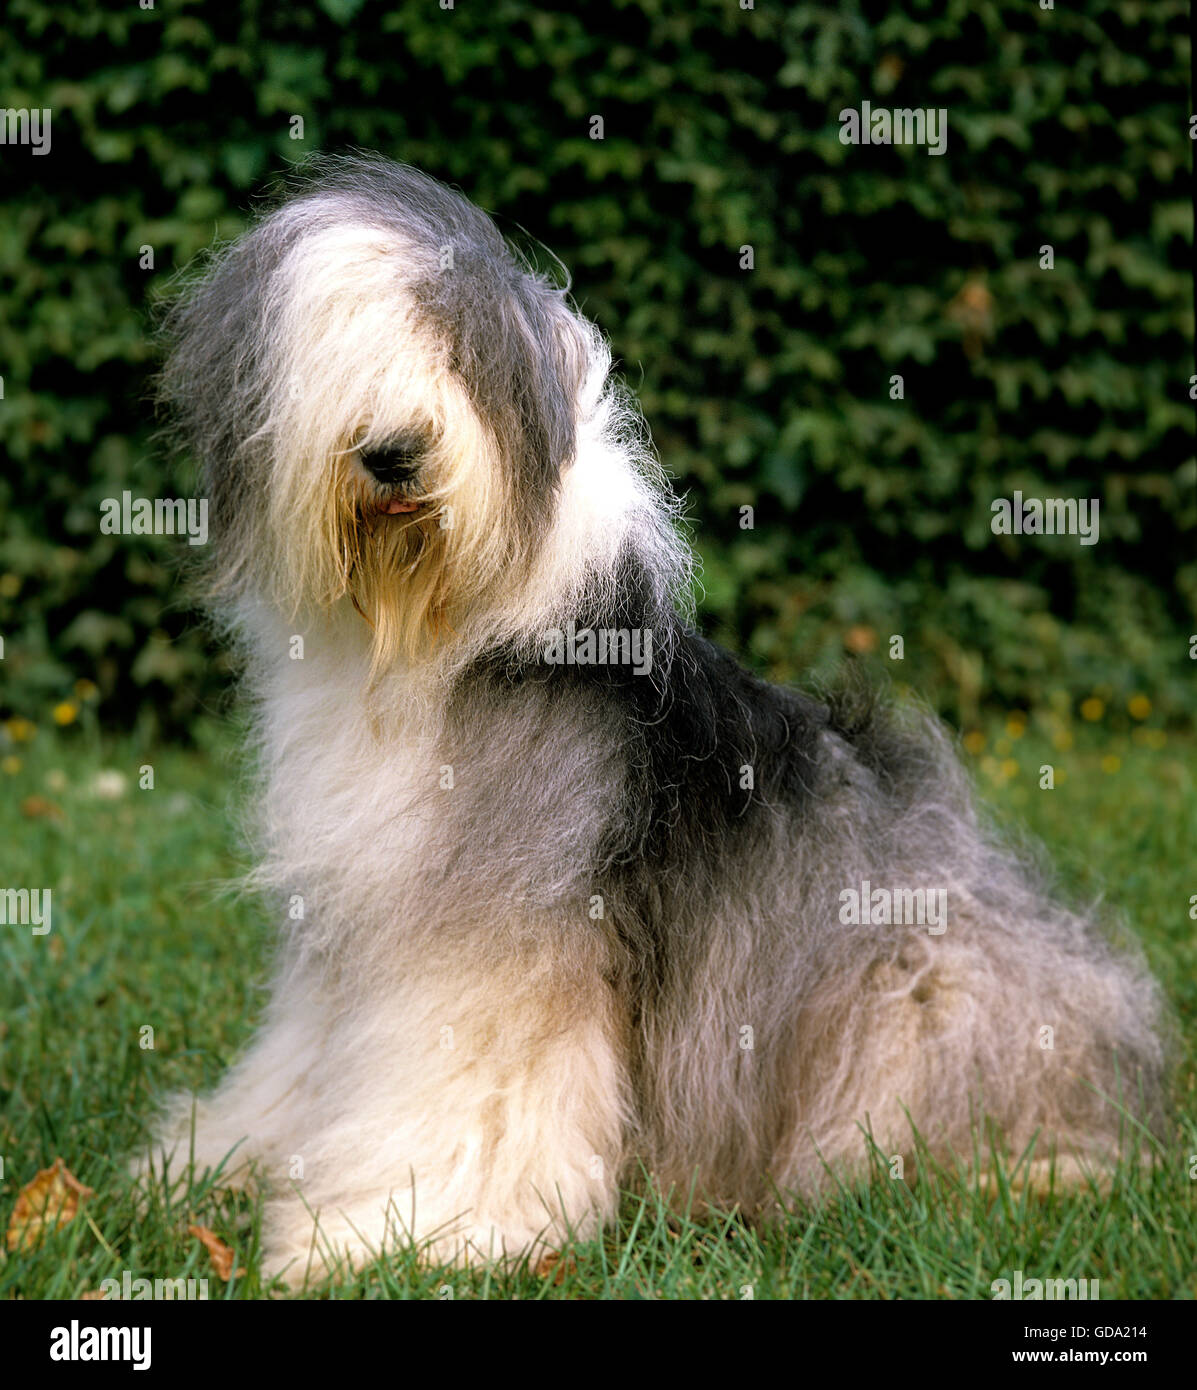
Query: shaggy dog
<point>566,893</point>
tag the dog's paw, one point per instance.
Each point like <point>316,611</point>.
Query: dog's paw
<point>302,1252</point>
<point>1043,1177</point>
<point>185,1149</point>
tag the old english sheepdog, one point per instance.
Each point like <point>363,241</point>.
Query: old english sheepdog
<point>567,896</point>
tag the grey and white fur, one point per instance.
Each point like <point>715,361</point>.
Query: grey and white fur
<point>560,924</point>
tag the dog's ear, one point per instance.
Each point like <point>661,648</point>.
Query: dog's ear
<point>557,369</point>
<point>211,330</point>
<point>524,380</point>
<point>214,387</point>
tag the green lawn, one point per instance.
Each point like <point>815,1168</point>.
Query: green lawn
<point>144,936</point>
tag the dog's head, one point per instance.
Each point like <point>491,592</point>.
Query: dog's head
<point>382,399</point>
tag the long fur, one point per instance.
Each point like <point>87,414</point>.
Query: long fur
<point>542,923</point>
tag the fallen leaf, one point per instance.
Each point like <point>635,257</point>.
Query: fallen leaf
<point>40,808</point>
<point>552,1265</point>
<point>47,1201</point>
<point>222,1254</point>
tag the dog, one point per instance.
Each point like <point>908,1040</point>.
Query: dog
<point>568,896</point>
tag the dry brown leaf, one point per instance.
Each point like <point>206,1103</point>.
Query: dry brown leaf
<point>48,1200</point>
<point>40,808</point>
<point>221,1254</point>
<point>551,1265</point>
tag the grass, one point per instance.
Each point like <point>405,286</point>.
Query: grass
<point>143,939</point>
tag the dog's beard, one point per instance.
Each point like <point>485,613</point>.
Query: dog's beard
<point>415,577</point>
<point>394,570</point>
<point>386,552</point>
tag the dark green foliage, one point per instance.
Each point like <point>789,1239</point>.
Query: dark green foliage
<point>766,388</point>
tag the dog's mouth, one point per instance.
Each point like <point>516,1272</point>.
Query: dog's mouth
<point>393,468</point>
<point>374,507</point>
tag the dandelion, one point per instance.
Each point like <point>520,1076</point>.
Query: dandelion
<point>1092,709</point>
<point>109,785</point>
<point>1016,725</point>
<point>1139,706</point>
<point>20,730</point>
<point>974,741</point>
<point>86,690</point>
<point>11,765</point>
<point>65,713</point>
<point>1111,762</point>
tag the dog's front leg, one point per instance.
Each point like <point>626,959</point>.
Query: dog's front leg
<point>254,1115</point>
<point>476,1106</point>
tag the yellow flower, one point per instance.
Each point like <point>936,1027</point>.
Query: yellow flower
<point>66,712</point>
<point>1092,709</point>
<point>20,730</point>
<point>86,690</point>
<point>1009,767</point>
<point>860,639</point>
<point>10,765</point>
<point>10,585</point>
<point>1139,706</point>
<point>1016,725</point>
<point>1063,740</point>
<point>974,741</point>
<point>1111,762</point>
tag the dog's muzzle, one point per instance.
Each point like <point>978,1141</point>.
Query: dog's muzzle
<point>393,467</point>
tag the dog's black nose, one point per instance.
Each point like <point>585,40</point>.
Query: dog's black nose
<point>394,464</point>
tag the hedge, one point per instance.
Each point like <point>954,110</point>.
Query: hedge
<point>770,387</point>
